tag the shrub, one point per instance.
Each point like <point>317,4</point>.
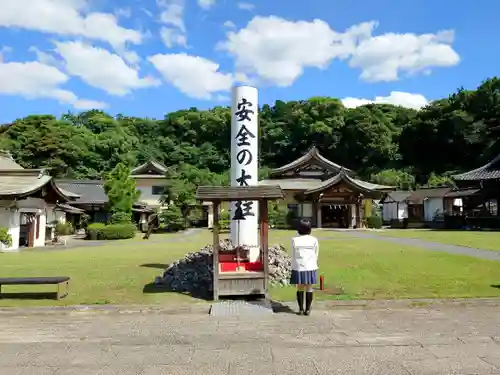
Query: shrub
<point>224,220</point>
<point>120,218</point>
<point>100,231</point>
<point>64,229</point>
<point>84,221</point>
<point>374,222</point>
<point>278,217</point>
<point>173,219</point>
<point>292,219</point>
<point>5,237</point>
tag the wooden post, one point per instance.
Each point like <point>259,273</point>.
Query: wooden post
<point>31,230</point>
<point>216,249</point>
<point>264,240</point>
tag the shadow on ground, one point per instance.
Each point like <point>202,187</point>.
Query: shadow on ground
<point>497,286</point>
<point>26,296</point>
<point>278,307</point>
<point>153,288</point>
<point>160,266</point>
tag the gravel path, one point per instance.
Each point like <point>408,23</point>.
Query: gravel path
<point>428,245</point>
<point>154,239</point>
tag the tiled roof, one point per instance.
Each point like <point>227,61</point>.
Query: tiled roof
<point>293,183</point>
<point>69,209</point>
<point>7,162</point>
<point>396,196</point>
<point>232,193</point>
<point>490,171</point>
<point>311,156</point>
<point>418,196</point>
<point>343,176</point>
<point>92,192</point>
<point>459,193</point>
<point>89,191</point>
<point>151,167</point>
<point>22,182</point>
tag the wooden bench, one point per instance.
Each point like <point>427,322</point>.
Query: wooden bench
<point>38,281</point>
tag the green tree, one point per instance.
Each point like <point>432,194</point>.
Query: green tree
<point>392,177</point>
<point>121,192</point>
<point>437,180</point>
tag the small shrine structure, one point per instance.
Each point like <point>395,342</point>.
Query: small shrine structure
<point>234,274</point>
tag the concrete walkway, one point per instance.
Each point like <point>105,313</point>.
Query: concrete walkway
<point>428,245</point>
<point>73,242</point>
<point>385,341</point>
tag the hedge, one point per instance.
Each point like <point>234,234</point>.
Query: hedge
<point>121,218</point>
<point>64,229</point>
<point>99,231</point>
<point>374,222</point>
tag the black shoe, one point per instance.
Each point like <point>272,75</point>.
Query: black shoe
<point>300,302</point>
<point>309,299</point>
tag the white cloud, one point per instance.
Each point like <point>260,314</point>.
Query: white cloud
<point>229,25</point>
<point>33,80</point>
<point>246,6</point>
<point>66,17</point>
<point>172,15</point>
<point>101,69</point>
<point>172,37</point>
<point>404,99</point>
<point>385,57</point>
<point>3,51</point>
<point>44,57</point>
<point>195,76</point>
<point>278,51</point>
<point>206,4</point>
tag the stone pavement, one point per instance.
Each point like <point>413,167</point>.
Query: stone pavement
<point>378,341</point>
<point>428,245</point>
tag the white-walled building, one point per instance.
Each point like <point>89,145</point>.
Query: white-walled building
<point>29,201</point>
<point>395,206</point>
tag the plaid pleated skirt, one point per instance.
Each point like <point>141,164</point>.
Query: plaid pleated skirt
<point>304,277</point>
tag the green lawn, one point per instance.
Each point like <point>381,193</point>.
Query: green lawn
<point>364,269</point>
<point>480,240</point>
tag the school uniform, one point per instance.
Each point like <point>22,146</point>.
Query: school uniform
<point>305,250</point>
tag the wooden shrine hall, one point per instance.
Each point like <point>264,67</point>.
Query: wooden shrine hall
<point>324,192</point>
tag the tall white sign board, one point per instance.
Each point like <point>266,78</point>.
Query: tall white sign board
<point>244,166</point>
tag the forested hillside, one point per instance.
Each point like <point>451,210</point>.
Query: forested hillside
<point>384,143</point>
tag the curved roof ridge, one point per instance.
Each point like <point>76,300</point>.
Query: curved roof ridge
<point>470,173</point>
<point>312,153</point>
<point>151,162</point>
<point>342,175</point>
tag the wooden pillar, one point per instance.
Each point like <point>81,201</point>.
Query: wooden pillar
<point>31,230</point>
<point>358,215</point>
<point>319,222</point>
<point>216,250</point>
<point>264,240</point>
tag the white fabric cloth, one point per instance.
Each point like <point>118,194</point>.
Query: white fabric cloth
<point>305,250</point>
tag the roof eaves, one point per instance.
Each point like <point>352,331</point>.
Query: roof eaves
<point>470,174</point>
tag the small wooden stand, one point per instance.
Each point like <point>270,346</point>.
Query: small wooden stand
<point>242,281</point>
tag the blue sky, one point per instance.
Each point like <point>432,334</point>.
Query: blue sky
<point>150,57</point>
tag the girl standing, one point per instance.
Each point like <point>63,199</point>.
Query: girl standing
<point>305,249</point>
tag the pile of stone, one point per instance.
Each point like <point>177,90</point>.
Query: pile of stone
<point>193,274</point>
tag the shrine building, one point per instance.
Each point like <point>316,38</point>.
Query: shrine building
<point>324,192</point>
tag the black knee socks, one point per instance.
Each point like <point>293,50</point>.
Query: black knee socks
<point>300,301</point>
<point>309,299</point>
